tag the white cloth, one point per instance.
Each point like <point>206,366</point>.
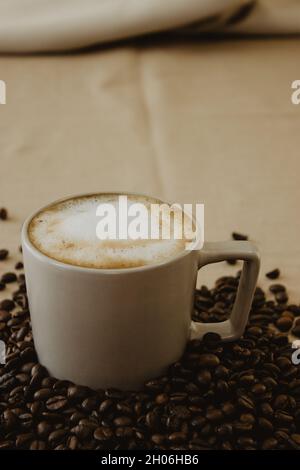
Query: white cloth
<point>52,25</point>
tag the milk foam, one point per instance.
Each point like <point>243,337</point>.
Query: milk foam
<point>66,232</point>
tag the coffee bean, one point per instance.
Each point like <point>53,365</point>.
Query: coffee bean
<point>246,403</point>
<point>37,445</point>
<point>284,323</point>
<point>23,440</point>
<point>208,360</point>
<point>296,331</point>
<point>270,444</point>
<point>7,305</point>
<point>76,392</point>
<point>274,274</point>
<point>239,236</point>
<point>57,437</point>
<point>103,434</point>
<point>7,278</point>
<point>3,213</point>
<point>258,389</point>
<point>3,254</point>
<point>204,378</point>
<point>276,288</point>
<point>4,316</point>
<point>162,399</point>
<point>19,265</point>
<point>43,394</point>
<point>56,403</point>
<point>122,421</point>
<point>177,437</point>
<point>214,415</point>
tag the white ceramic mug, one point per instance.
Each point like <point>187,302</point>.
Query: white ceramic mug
<point>120,327</point>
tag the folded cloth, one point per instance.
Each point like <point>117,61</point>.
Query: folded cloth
<point>53,25</point>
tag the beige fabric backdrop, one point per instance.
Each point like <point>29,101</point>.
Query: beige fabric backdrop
<point>186,121</point>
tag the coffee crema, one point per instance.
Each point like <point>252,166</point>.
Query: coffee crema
<point>66,232</point>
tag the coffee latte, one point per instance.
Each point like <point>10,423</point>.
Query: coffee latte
<point>67,232</point>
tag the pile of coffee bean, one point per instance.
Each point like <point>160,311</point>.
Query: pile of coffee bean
<point>240,395</point>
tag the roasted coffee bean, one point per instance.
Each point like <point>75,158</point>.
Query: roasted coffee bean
<point>284,323</point>
<point>239,236</point>
<point>4,316</point>
<point>56,403</point>
<point>19,265</point>
<point>3,254</point>
<point>276,288</point>
<point>296,331</point>
<point>43,394</point>
<point>3,213</point>
<point>77,392</point>
<point>7,278</point>
<point>37,445</point>
<point>246,403</point>
<point>103,434</point>
<point>270,444</point>
<point>57,437</point>
<point>7,305</point>
<point>208,360</point>
<point>274,274</point>
<point>204,377</point>
<point>23,440</point>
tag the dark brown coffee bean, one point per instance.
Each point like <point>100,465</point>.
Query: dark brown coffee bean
<point>3,254</point>
<point>103,434</point>
<point>43,394</point>
<point>4,316</point>
<point>276,288</point>
<point>57,437</point>
<point>77,392</point>
<point>37,445</point>
<point>23,440</point>
<point>44,429</point>
<point>3,213</point>
<point>161,399</point>
<point>270,444</point>
<point>7,278</point>
<point>296,331</point>
<point>274,274</point>
<point>19,265</point>
<point>246,403</point>
<point>239,236</point>
<point>122,421</point>
<point>265,425</point>
<point>281,297</point>
<point>177,437</point>
<point>158,439</point>
<point>284,323</point>
<point>105,405</point>
<point>7,305</point>
<point>208,360</point>
<point>258,389</point>
<point>214,415</point>
<point>204,377</point>
<point>56,403</point>
<point>72,443</point>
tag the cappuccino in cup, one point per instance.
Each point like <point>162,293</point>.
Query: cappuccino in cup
<point>67,232</point>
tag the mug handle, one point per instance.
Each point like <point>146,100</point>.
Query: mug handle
<point>234,327</point>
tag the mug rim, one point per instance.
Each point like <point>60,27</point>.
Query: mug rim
<point>113,271</point>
